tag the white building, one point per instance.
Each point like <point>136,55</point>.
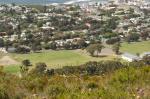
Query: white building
<point>130,57</point>
<point>145,54</point>
<point>130,2</point>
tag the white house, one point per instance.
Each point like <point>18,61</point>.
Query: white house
<point>145,54</point>
<point>130,57</point>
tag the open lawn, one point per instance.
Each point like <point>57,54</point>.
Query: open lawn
<point>11,69</point>
<point>56,59</point>
<point>136,47</point>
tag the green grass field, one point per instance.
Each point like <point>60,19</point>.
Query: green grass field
<point>11,69</point>
<point>136,47</point>
<point>56,59</point>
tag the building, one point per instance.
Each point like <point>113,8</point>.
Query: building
<point>11,50</point>
<point>145,54</point>
<point>128,1</point>
<point>130,57</point>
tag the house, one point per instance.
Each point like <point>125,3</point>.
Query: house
<point>130,57</point>
<point>13,37</point>
<point>3,33</point>
<point>2,49</point>
<point>11,50</point>
<point>145,54</point>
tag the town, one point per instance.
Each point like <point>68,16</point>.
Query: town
<point>83,49</point>
<point>26,28</point>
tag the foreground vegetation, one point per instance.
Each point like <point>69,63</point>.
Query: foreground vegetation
<point>93,80</point>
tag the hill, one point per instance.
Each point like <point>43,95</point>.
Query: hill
<point>124,83</point>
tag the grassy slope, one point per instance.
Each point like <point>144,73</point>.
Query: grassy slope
<point>12,69</point>
<point>137,47</point>
<point>114,85</point>
<point>58,58</point>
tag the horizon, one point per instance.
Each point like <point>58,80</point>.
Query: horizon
<point>48,1</point>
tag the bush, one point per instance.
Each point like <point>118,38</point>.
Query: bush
<point>23,49</point>
<point>3,93</point>
<point>92,85</point>
<point>91,68</point>
<point>54,90</point>
<point>112,40</point>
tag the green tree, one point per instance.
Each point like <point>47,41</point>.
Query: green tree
<point>25,67</point>
<point>26,63</point>
<point>116,47</point>
<point>146,59</point>
<point>40,68</point>
<point>1,42</point>
<point>144,35</point>
<point>133,37</point>
<point>94,48</point>
<point>53,45</point>
<point>81,43</point>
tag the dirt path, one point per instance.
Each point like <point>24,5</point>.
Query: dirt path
<point>7,60</point>
<point>106,51</point>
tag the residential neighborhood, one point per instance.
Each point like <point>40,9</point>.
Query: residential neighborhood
<point>74,49</point>
<point>66,26</point>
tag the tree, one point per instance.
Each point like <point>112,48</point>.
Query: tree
<point>67,45</point>
<point>30,18</point>
<point>113,40</point>
<point>133,37</point>
<point>146,59</point>
<point>44,8</point>
<point>131,10</point>
<point>53,45</point>
<point>26,63</point>
<point>7,44</point>
<point>23,49</point>
<point>46,46</point>
<point>9,29</point>
<point>81,43</point>
<point>1,42</point>
<point>94,48</point>
<point>40,68</point>
<point>19,30</point>
<point>36,45</point>
<point>25,67</point>
<point>111,23</point>
<point>4,93</point>
<point>40,23</point>
<point>116,48</point>
<point>144,35</point>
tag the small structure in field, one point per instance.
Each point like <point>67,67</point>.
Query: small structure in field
<point>130,57</point>
<point>145,54</point>
<point>11,50</point>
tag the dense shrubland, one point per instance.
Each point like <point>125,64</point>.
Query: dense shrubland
<point>93,80</point>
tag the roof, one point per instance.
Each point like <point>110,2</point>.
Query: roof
<point>131,56</point>
<point>144,54</point>
<point>11,49</point>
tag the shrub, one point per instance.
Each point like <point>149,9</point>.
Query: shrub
<point>3,93</point>
<point>54,90</point>
<point>92,85</point>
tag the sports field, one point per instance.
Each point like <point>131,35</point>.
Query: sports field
<point>56,59</point>
<point>136,47</point>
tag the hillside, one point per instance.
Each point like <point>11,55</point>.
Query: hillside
<point>124,83</point>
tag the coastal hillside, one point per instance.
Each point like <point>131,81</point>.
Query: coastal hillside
<point>124,83</point>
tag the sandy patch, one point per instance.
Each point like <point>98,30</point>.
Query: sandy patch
<point>105,51</point>
<point>7,60</point>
